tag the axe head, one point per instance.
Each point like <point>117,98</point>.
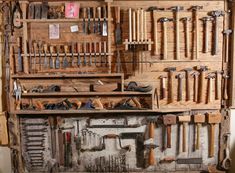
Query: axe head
<point>214,118</point>
<point>169,119</point>
<point>199,118</point>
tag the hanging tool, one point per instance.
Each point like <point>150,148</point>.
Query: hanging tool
<point>78,50</point>
<point>45,56</point>
<point>176,10</point>
<point>171,92</point>
<point>217,85</point>
<point>94,20</point>
<point>35,58</point>
<point>215,15</point>
<point>84,20</point>
<point>100,53</point>
<point>89,20</point>
<point>84,53</point>
<point>227,162</point>
<point>209,93</point>
<point>188,86</point>
<point>95,52</point>
<point>212,119</point>
<point>164,21</point>
<point>205,21</point>
<point>163,86</point>
<point>51,61</point>
<point>130,25</point>
<point>40,54</point>
<point>226,33</point>
<point>195,75</point>
<point>225,88</point>
<point>151,158</point>
<point>99,17</point>
<point>184,120</point>
<point>20,59</point>
<point>90,51</point>
<point>195,10</point>
<point>138,25</point>
<point>72,55</point>
<point>180,86</point>
<point>105,52</point>
<point>105,27</point>
<point>201,95</point>
<point>198,120</point>
<point>133,27</point>
<point>186,27</point>
<point>30,56</point>
<point>168,121</point>
<point>65,60</point>
<point>141,25</point>
<point>57,60</point>
<point>118,32</point>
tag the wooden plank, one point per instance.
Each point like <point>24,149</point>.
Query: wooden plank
<point>3,129</point>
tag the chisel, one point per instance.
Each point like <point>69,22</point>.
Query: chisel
<point>94,22</point>
<point>51,61</point>
<point>90,50</point>
<point>99,23</point>
<point>104,32</point>
<point>34,52</point>
<point>57,60</point>
<point>78,50</point>
<point>89,20</point>
<point>84,20</point>
<point>118,38</point>
<point>30,57</point>
<point>105,51</point>
<point>72,52</point>
<point>20,60</point>
<point>45,56</point>
<point>40,56</point>
<point>65,61</point>
<point>95,51</point>
<point>100,54</point>
<point>84,52</point>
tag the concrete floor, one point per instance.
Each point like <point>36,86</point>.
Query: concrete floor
<point>5,160</point>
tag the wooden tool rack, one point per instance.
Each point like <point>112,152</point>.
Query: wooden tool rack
<point>186,75</point>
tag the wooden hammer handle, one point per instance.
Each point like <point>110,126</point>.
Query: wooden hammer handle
<point>134,25</point>
<point>202,88</point>
<point>155,32</point>
<point>184,138</point>
<point>151,130</point>
<point>197,33</point>
<point>138,25</point>
<point>168,132</point>
<point>130,26</point>
<point>225,92</point>
<point>171,92</point>
<point>187,38</point>
<point>151,157</point>
<point>212,140</point>
<point>164,40</point>
<point>177,36</point>
<point>197,145</point>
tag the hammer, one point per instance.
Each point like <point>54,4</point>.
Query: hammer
<point>180,86</point>
<point>205,23</point>
<point>225,91</point>
<point>151,148</point>
<point>184,120</point>
<point>212,119</point>
<point>195,9</point>
<point>186,26</point>
<point>209,93</point>
<point>176,9</point>
<point>169,120</point>
<point>195,94</point>
<point>202,69</point>
<point>198,120</point>
<point>164,21</point>
<point>188,87</point>
<point>226,33</point>
<point>218,86</point>
<point>170,83</point>
<point>163,86</point>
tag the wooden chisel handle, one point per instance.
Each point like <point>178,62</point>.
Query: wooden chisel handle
<point>138,25</point>
<point>218,87</point>
<point>188,87</point>
<point>155,32</point>
<point>184,137</point>
<point>134,25</point>
<point>212,140</point>
<point>206,36</point>
<point>145,26</point>
<point>163,88</point>
<point>141,25</point>
<point>130,26</point>
<point>164,40</point>
<point>99,12</point>
<point>225,92</point>
<point>168,133</point>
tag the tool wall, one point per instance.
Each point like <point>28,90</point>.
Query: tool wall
<point>118,86</point>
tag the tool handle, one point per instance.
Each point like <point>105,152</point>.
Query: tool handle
<point>100,47</point>
<point>197,145</point>
<point>209,94</point>
<point>117,14</point>
<point>184,137</point>
<point>137,103</point>
<point>45,48</point>
<point>196,33</point>
<point>57,49</point>
<point>130,26</point>
<point>151,130</point>
<point>94,12</point>
<point>39,45</point>
<point>226,48</point>
<point>155,30</point>
<point>138,25</point>
<point>216,34</point>
<point>65,49</point>
<point>90,47</point>
<point>168,133</point>
<point>51,48</point>
<point>163,88</point>
<point>84,12</point>
<point>164,40</point>
<point>19,42</point>
<point>218,87</point>
<point>94,47</point>
<point>105,47</point>
<point>225,94</point>
<point>34,46</point>
<point>78,47</point>
<point>177,32</point>
<point>212,140</point>
<point>88,12</point>
<point>171,91</point>
<point>145,27</point>
<point>84,48</point>
<point>99,12</point>
<point>187,38</point>
<point>195,89</point>
<point>180,89</point>
<point>188,87</point>
<point>141,25</point>
<point>202,87</point>
<point>104,11</point>
<point>151,157</point>
<point>72,47</point>
<point>134,25</point>
<point>206,36</point>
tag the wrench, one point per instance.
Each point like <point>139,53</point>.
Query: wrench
<point>227,162</point>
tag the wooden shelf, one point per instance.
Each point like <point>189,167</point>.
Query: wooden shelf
<point>61,76</point>
<point>93,111</point>
<point>61,20</point>
<point>86,94</point>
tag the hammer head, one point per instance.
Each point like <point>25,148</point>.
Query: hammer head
<point>185,118</point>
<point>199,118</point>
<point>161,77</point>
<point>170,69</point>
<point>216,13</point>
<point>214,118</point>
<point>210,76</point>
<point>227,31</point>
<point>169,119</point>
<point>164,19</point>
<point>155,8</point>
<point>207,18</point>
<point>184,19</point>
<point>179,76</point>
<point>202,68</point>
<point>188,69</point>
<point>177,8</point>
<point>196,7</point>
<point>195,73</point>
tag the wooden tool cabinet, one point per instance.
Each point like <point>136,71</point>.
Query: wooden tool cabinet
<point>143,61</point>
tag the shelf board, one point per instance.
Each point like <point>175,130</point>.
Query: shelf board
<point>87,94</point>
<point>61,76</point>
<point>61,20</point>
<point>69,112</point>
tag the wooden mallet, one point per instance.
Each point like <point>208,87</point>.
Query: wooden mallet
<point>184,120</point>
<point>169,120</point>
<point>198,119</point>
<point>212,119</point>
